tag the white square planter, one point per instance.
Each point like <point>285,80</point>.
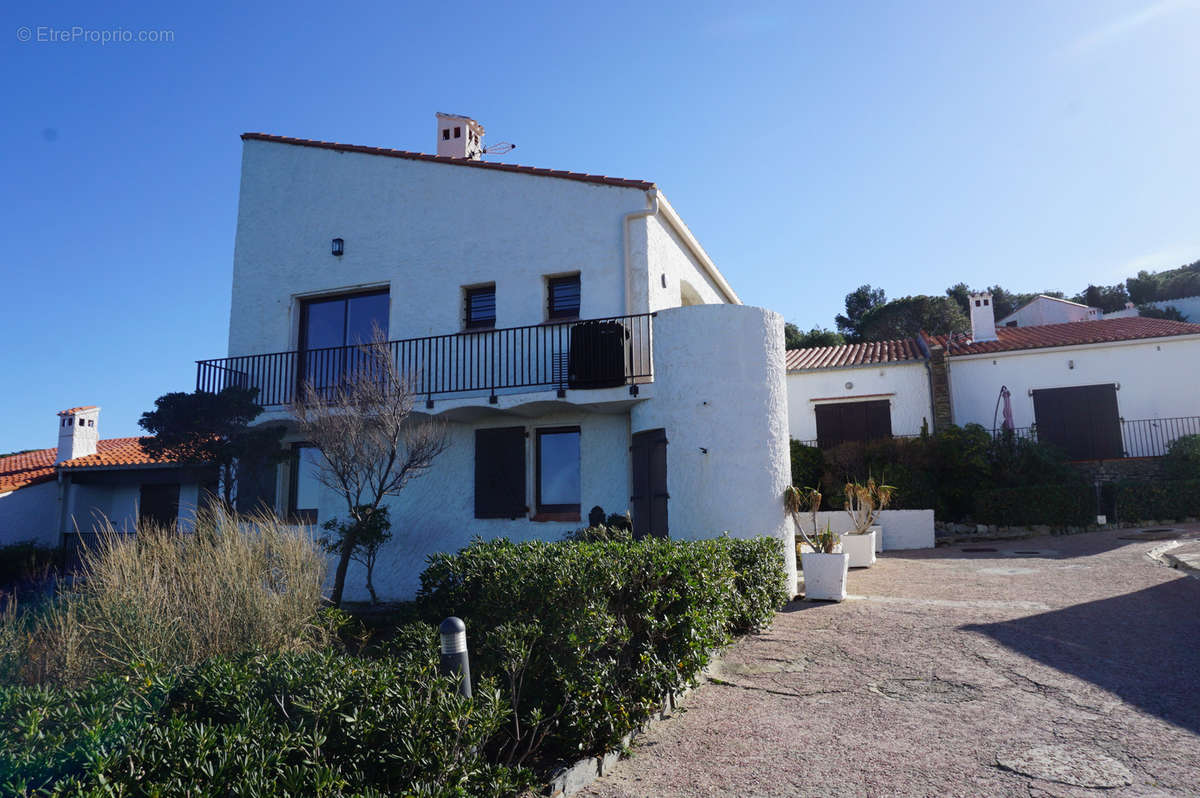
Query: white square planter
<point>878,530</point>
<point>860,549</point>
<point>825,576</point>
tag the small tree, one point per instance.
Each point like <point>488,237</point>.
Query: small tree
<point>370,443</point>
<point>207,427</point>
<point>369,535</point>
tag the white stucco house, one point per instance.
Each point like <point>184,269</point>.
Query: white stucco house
<point>1049,310</point>
<point>582,347</point>
<point>53,496</point>
<point>1100,390</point>
<point>1188,307</point>
<point>858,391</point>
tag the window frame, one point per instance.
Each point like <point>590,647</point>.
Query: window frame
<point>470,323</point>
<point>302,515</point>
<point>553,313</point>
<point>572,511</point>
<point>306,301</point>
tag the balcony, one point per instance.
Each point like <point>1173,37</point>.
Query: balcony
<point>1126,438</point>
<point>560,356</point>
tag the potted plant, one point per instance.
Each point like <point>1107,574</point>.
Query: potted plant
<point>863,504</point>
<point>824,566</point>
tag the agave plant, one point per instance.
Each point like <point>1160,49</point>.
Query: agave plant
<point>798,501</point>
<point>865,502</point>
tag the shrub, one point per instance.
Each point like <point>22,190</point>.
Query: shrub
<point>171,600</point>
<point>1072,504</point>
<point>600,533</point>
<point>299,724</point>
<point>1183,458</point>
<point>590,636</point>
<point>808,464</point>
<point>27,563</point>
<point>943,472</point>
<point>760,583</point>
<point>1154,501</point>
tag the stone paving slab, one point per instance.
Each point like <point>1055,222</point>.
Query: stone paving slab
<point>1068,672</point>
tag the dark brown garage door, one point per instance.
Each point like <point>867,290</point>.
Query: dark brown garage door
<point>853,421</point>
<point>1083,421</point>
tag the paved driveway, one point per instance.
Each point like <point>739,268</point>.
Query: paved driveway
<point>1057,666</point>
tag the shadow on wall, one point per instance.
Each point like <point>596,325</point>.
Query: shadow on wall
<point>1139,646</point>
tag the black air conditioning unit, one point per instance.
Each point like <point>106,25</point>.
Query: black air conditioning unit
<point>598,355</point>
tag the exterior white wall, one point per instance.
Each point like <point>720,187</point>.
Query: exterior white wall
<point>721,395</point>
<point>902,529</point>
<point>1189,306</point>
<point>436,512</point>
<point>423,229</point>
<point>1159,378</point>
<point>671,265</point>
<point>905,385</point>
<point>28,514</point>
<point>1046,310</point>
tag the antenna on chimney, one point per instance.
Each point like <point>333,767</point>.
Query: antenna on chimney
<point>461,136</point>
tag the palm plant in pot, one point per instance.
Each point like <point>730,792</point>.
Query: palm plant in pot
<point>863,504</point>
<point>824,566</point>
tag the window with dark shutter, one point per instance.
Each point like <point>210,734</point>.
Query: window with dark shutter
<point>481,307</point>
<point>853,421</point>
<point>563,297</point>
<point>500,473</point>
<point>1083,421</point>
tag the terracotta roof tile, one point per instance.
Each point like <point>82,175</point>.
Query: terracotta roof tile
<point>71,410</point>
<point>644,185</point>
<point>864,354</point>
<point>1075,333</point>
<point>30,468</point>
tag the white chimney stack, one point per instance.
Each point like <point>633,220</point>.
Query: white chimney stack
<point>983,317</point>
<point>459,137</point>
<point>78,432</point>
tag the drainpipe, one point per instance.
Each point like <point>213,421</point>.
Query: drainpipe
<point>59,512</point>
<point>652,197</point>
<point>929,376</point>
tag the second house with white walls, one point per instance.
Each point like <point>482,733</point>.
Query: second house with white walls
<point>1106,389</point>
<point>569,328</point>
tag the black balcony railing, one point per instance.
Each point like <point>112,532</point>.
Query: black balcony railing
<point>593,353</point>
<point>1143,437</point>
<point>1140,437</point>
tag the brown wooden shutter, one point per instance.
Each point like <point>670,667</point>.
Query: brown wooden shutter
<point>1083,421</point>
<point>650,497</point>
<point>500,473</point>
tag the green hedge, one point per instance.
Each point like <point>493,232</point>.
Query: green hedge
<point>589,636</point>
<point>312,724</point>
<point>572,646</point>
<point>944,472</point>
<point>1154,501</point>
<point>1071,504</point>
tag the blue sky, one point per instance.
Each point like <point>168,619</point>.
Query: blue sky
<point>811,147</point>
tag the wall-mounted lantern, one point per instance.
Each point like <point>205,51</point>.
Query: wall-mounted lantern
<point>339,246</point>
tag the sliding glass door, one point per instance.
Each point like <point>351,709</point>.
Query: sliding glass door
<point>330,328</point>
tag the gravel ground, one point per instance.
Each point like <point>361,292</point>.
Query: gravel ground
<point>1054,666</point>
